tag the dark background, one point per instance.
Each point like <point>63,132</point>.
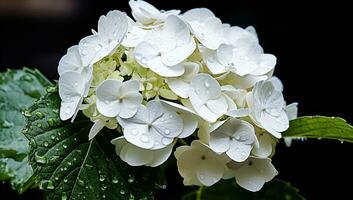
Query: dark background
<point>305,36</point>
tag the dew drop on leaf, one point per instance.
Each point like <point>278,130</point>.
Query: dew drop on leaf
<point>130,178</point>
<point>115,180</point>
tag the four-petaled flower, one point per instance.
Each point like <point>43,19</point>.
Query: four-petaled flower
<point>234,137</point>
<point>152,127</point>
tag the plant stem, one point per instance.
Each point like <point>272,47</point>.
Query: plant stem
<point>198,193</point>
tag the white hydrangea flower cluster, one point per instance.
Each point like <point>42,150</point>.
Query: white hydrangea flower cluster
<point>167,75</point>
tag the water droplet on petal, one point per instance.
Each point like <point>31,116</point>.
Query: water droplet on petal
<point>202,177</point>
<point>134,131</point>
<point>167,131</point>
<point>143,61</point>
<point>207,84</point>
<point>98,47</point>
<point>52,137</point>
<point>144,138</point>
<point>166,141</point>
<point>67,110</point>
<point>46,144</point>
<point>65,146</point>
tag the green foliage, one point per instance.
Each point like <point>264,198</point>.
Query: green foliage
<point>18,90</point>
<point>320,127</point>
<point>68,166</point>
<point>229,190</point>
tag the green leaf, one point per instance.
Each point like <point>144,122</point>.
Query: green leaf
<point>68,166</point>
<point>320,127</point>
<point>229,190</point>
<point>18,90</point>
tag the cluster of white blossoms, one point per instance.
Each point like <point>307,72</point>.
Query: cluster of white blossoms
<point>167,78</point>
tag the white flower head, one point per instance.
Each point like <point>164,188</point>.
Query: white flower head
<point>199,165</point>
<point>112,29</point>
<point>181,85</point>
<point>115,98</point>
<point>206,97</point>
<point>136,156</point>
<point>73,87</point>
<point>234,137</point>
<point>146,14</point>
<point>253,173</point>
<point>152,127</point>
<point>268,108</point>
<point>165,48</point>
<point>207,28</point>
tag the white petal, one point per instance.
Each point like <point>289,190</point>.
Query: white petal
<point>112,28</point>
<point>197,14</point>
<point>267,63</point>
<point>170,124</point>
<point>107,101</point>
<point>161,69</point>
<point>155,110</point>
<point>210,172</point>
<point>253,175</point>
<point>119,142</point>
<point>243,82</point>
<point>96,128</point>
<point>241,112</point>
<point>179,54</point>
<point>239,151</point>
<point>211,34</point>
<point>178,151</point>
<point>190,123</point>
<point>135,156</point>
<point>131,104</point>
<point>219,142</point>
<point>277,83</point>
<point>265,147</point>
<point>71,61</point>
<point>292,111</point>
<point>71,86</point>
<point>139,135</point>
<point>204,87</point>
<point>160,156</point>
<point>143,12</point>
<point>218,106</point>
<point>67,109</point>
<point>274,125</point>
<point>187,162</point>
<point>212,61</point>
<point>89,48</point>
<point>179,87</point>
<point>144,52</point>
<point>134,35</point>
<point>225,54</point>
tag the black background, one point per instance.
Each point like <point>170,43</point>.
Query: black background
<point>307,37</point>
